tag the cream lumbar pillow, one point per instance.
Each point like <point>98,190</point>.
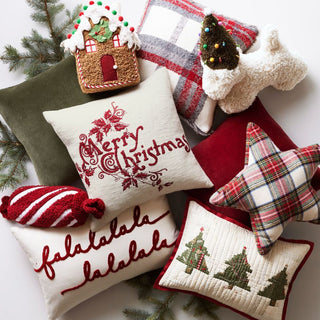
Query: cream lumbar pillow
<point>216,257</point>
<point>129,148</point>
<point>75,264</point>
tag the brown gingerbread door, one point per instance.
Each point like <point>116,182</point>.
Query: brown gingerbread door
<point>109,68</point>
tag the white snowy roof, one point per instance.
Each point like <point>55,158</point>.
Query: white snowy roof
<point>95,11</point>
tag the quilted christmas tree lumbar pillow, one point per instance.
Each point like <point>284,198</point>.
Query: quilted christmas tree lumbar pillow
<point>274,187</point>
<point>130,148</point>
<point>216,257</point>
<point>76,264</point>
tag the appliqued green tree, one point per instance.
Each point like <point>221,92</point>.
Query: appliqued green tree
<point>101,31</point>
<point>236,273</point>
<point>194,257</point>
<point>275,291</point>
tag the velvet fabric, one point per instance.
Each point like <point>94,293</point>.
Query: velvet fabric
<point>22,105</point>
<point>222,155</point>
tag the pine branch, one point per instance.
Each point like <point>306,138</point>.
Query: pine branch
<point>202,308</point>
<point>12,159</point>
<point>161,301</point>
<point>40,52</point>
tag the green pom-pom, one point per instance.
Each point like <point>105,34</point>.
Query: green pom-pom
<point>205,46</point>
<point>99,3</point>
<point>114,12</point>
<point>74,31</point>
<point>79,20</point>
<point>126,23</point>
<point>85,7</point>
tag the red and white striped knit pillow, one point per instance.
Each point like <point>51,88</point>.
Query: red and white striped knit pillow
<point>55,207</point>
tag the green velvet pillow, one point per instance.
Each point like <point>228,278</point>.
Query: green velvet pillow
<point>21,106</point>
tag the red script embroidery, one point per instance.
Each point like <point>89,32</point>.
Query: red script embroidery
<point>71,250</point>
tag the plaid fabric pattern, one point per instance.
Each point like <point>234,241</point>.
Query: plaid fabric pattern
<point>169,35</point>
<point>274,187</point>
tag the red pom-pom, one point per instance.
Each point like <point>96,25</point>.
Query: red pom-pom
<point>4,206</point>
<point>69,35</point>
<point>94,207</point>
<point>132,29</point>
<point>81,14</point>
<point>107,7</point>
<point>120,18</point>
<point>91,3</point>
<point>76,26</point>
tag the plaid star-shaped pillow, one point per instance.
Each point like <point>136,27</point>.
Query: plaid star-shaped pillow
<point>274,187</point>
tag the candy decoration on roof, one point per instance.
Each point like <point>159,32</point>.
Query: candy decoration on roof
<point>218,49</point>
<point>104,46</point>
<point>50,207</point>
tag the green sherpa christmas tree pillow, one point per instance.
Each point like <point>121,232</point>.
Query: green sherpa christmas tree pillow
<point>21,106</point>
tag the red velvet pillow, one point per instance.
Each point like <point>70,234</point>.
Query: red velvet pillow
<point>222,154</point>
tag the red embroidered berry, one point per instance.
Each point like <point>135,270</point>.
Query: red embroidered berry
<point>69,35</point>
<point>107,7</point>
<point>120,18</point>
<point>132,29</point>
<point>81,14</point>
<point>91,3</point>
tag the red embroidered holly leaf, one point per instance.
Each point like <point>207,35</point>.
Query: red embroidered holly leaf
<point>120,126</point>
<point>115,119</point>
<point>160,187</point>
<point>142,175</point>
<point>159,181</point>
<point>99,123</point>
<point>107,128</point>
<point>125,173</point>
<point>89,172</point>
<point>168,184</point>
<point>99,136</point>
<point>107,114</point>
<point>94,131</point>
<point>126,183</point>
<point>135,182</point>
<point>87,181</point>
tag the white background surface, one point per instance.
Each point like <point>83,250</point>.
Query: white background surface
<point>298,112</point>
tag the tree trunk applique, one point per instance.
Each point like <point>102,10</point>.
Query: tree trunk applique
<point>236,273</point>
<point>194,257</point>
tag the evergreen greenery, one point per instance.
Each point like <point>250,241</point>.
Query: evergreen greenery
<point>12,159</point>
<point>161,302</point>
<point>40,52</point>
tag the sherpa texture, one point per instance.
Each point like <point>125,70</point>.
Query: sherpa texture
<point>274,187</point>
<point>271,65</point>
<point>50,207</point>
<point>237,276</point>
<point>172,42</point>
<point>75,264</point>
<point>130,148</point>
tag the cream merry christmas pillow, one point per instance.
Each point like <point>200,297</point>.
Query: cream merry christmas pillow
<point>129,148</point>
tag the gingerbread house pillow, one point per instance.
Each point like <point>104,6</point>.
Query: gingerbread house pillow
<point>104,45</point>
